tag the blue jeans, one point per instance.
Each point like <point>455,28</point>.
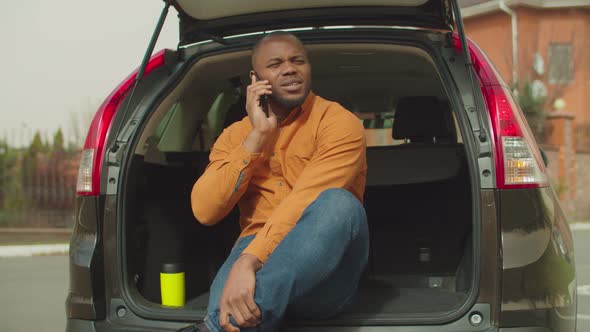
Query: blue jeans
<point>314,272</point>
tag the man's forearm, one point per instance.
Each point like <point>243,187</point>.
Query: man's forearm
<point>255,141</point>
<point>226,178</point>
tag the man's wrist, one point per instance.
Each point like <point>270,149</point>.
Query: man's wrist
<point>254,142</point>
<point>250,261</point>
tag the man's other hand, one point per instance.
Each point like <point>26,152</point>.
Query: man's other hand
<point>237,298</point>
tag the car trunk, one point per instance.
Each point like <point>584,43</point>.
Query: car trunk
<point>418,196</point>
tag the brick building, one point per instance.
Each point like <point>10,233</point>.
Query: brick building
<point>543,40</point>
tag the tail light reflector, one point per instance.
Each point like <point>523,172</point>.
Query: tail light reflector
<point>89,172</point>
<point>85,171</point>
<point>519,164</point>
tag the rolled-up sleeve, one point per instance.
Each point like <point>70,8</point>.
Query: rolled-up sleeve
<point>225,179</point>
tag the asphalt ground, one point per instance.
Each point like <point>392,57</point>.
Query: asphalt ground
<point>19,236</point>
<point>33,293</point>
<point>33,290</point>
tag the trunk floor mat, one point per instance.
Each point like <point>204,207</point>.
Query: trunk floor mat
<point>384,301</point>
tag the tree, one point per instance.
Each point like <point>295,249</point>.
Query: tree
<point>58,141</point>
<point>11,194</point>
<point>80,119</point>
<point>532,103</point>
<point>37,145</point>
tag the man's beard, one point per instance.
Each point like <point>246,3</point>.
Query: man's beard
<point>291,103</point>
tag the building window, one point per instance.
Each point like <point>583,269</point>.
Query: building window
<point>561,65</point>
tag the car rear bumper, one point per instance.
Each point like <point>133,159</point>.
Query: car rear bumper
<point>77,325</point>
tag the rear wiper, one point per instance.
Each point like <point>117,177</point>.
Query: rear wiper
<point>141,70</point>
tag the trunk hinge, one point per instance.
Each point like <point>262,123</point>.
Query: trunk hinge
<point>141,71</point>
<point>467,58</point>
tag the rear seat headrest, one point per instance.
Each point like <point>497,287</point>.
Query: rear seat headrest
<point>422,118</point>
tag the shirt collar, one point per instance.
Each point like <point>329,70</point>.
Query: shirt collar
<point>308,103</point>
<point>305,107</point>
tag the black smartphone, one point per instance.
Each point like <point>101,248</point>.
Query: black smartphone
<point>263,98</point>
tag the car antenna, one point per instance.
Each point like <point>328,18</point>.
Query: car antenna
<point>141,69</point>
<point>469,64</point>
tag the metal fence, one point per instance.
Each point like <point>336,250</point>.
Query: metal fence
<point>37,187</point>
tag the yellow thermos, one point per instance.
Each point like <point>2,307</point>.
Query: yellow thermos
<point>172,284</point>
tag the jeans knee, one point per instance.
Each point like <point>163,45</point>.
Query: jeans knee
<point>342,205</point>
<point>339,199</point>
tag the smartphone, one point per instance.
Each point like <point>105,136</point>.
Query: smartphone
<point>263,98</point>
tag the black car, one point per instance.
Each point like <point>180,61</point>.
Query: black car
<point>466,232</point>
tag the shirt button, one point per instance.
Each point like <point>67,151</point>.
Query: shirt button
<point>245,162</point>
<point>272,154</point>
<point>280,184</point>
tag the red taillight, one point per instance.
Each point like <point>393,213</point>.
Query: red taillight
<point>89,172</point>
<point>517,157</point>
<point>518,160</point>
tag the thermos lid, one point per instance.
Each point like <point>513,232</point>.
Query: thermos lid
<point>172,268</point>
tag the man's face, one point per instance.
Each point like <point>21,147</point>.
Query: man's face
<point>283,62</point>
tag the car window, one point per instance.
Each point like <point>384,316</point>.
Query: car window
<point>218,111</point>
<point>379,128</point>
<point>164,122</point>
<point>156,143</point>
<point>171,129</point>
<point>180,128</point>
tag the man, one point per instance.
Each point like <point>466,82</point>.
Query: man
<point>298,176</point>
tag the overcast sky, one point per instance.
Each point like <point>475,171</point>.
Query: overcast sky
<point>64,57</point>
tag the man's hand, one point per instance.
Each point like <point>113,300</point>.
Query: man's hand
<point>237,298</point>
<point>262,126</point>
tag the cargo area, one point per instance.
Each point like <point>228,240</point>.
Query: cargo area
<point>418,195</point>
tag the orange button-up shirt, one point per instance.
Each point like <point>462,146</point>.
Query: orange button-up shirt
<point>318,146</point>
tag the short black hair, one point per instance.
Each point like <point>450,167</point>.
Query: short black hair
<point>272,35</point>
